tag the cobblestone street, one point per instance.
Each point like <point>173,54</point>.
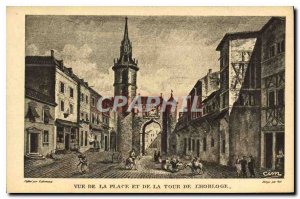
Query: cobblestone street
<point>101,167</point>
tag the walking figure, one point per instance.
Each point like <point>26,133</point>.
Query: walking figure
<point>155,157</point>
<point>251,165</point>
<point>83,163</point>
<point>244,166</point>
<point>238,166</point>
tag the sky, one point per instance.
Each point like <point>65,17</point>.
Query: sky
<point>173,52</point>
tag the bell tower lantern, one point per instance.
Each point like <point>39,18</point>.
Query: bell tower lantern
<point>125,69</point>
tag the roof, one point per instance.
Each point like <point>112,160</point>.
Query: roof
<point>211,96</point>
<point>273,19</point>
<point>221,114</point>
<point>35,95</point>
<point>41,60</point>
<point>236,35</point>
<point>95,92</point>
<point>198,83</point>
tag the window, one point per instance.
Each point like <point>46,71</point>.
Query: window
<point>193,145</point>
<point>82,116</point>
<point>204,144</point>
<point>212,142</point>
<point>82,97</point>
<point>98,120</point>
<point>93,102</point>
<point>93,118</point>
<point>185,145</point>
<point>46,137</point>
<point>271,99</point>
<point>223,146</point>
<point>46,115</point>
<point>60,134</point>
<point>85,140</point>
<point>87,99</point>
<point>71,92</point>
<point>62,87</point>
<point>81,138</point>
<point>62,105</point>
<point>272,51</point>
<point>71,109</point>
<point>190,144</point>
<point>280,47</point>
<point>280,97</point>
<point>87,117</point>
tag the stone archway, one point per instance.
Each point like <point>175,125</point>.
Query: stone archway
<point>148,137</point>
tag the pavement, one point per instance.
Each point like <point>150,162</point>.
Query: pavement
<point>100,166</point>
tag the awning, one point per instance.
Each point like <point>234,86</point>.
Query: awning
<point>94,127</point>
<point>32,112</point>
<point>61,122</point>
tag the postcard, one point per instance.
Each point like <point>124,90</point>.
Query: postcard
<point>150,100</point>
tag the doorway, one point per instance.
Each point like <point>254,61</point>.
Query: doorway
<point>34,142</point>
<point>67,141</point>
<point>269,147</point>
<point>198,148</point>
<point>279,142</point>
<point>105,143</point>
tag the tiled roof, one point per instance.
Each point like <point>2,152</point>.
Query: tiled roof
<point>41,60</point>
<point>210,96</point>
<point>33,94</point>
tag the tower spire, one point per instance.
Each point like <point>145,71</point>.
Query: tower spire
<point>126,30</point>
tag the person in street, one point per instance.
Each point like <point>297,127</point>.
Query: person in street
<point>174,163</point>
<point>280,160</point>
<point>251,165</point>
<point>158,155</point>
<point>244,166</point>
<point>131,161</point>
<point>155,157</point>
<point>238,166</point>
<point>83,163</point>
<point>132,155</point>
<point>196,166</point>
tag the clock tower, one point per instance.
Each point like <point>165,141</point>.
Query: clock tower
<point>125,69</point>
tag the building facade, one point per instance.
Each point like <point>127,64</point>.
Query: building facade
<point>240,123</point>
<point>96,123</point>
<point>39,139</point>
<point>50,75</point>
<point>273,92</point>
<point>196,131</point>
<point>66,96</point>
<point>86,139</point>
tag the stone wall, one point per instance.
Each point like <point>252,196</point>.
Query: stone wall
<point>244,133</point>
<point>124,135</point>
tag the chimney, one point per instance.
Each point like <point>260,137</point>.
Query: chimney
<point>52,53</point>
